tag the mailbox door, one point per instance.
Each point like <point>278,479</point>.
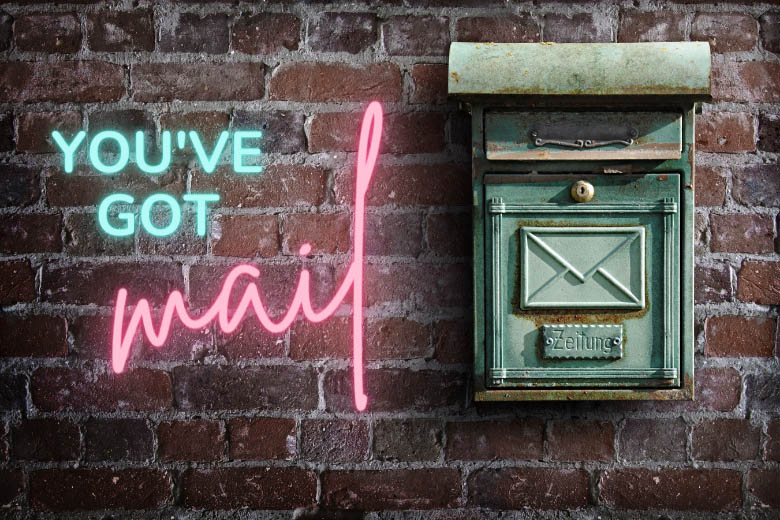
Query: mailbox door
<point>582,295</point>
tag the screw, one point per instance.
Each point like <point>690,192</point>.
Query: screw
<point>616,341</point>
<point>549,341</point>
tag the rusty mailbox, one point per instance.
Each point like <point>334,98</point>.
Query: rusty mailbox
<point>583,229</point>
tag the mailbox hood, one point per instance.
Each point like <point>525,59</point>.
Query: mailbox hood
<point>663,69</point>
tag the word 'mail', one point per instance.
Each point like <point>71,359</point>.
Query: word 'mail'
<point>122,338</point>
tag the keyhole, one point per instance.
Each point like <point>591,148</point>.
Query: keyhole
<point>582,191</point>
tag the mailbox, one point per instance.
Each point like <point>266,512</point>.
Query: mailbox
<point>583,217</point>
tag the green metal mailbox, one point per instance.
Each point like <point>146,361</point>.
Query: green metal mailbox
<point>583,181</point>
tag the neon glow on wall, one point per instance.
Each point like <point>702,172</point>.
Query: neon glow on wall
<point>122,337</point>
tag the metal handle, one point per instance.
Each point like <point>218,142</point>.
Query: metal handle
<point>583,143</point>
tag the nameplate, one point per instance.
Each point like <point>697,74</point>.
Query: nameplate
<point>582,341</point>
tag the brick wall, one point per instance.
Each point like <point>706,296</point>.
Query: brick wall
<point>251,420</point>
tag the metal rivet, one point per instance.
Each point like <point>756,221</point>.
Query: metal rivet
<point>616,341</point>
<point>549,341</point>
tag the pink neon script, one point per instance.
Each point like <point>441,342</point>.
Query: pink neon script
<point>368,150</point>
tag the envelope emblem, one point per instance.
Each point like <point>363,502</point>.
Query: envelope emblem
<point>582,267</point>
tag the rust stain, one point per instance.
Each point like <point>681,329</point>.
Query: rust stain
<point>663,177</point>
<point>455,76</point>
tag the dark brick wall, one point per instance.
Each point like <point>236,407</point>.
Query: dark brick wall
<point>250,420</point>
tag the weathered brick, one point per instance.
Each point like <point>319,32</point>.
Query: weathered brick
<point>718,389</point>
<point>118,31</point>
<point>726,32</point>
<point>31,233</point>
<point>341,32</point>
<point>763,391</point>
<point>6,30</point>
<point>76,81</point>
<point>253,488</point>
<point>537,488</point>
<point>183,241</point>
<point>33,336</point>
<point>19,185</point>
<point>117,439</point>
<point>447,234</point>
<point>230,388</point>
<point>415,132</point>
<point>337,440</point>
<point>311,81</point>
<point>769,133</point>
<point>580,28</point>
<point>759,282</point>
<point>726,132</point>
<point>751,81</point>
<point>326,232</point>
<point>196,440</point>
<point>13,391</point>
<point>452,341</point>
<point>88,489</point>
<point>6,132</point>
<point>4,440</point>
<point>770,34</point>
<point>250,341</point>
<point>738,336</point>
<point>397,338</point>
<point>407,440</point>
<point>197,81</point>
<point>84,237</point>
<point>266,33</point>
<point>713,284</point>
<point>505,29</point>
<point>725,440</point>
<point>653,439</point>
<point>208,124</point>
<point>11,485</point>
<point>651,26</point>
<point>521,439</point>
<point>245,235</point>
<point>262,438</point>
<point>757,185</point>
<point>393,234</point>
<point>710,186</point>
<point>17,282</point>
<point>763,485</point>
<point>574,440</point>
<point>45,440</point>
<point>416,35</point>
<point>429,83</point>
<point>331,339</point>
<point>684,489</point>
<point>397,389</point>
<point>446,285</point>
<point>772,447</point>
<point>34,130</point>
<point>140,389</point>
<point>701,224</point>
<point>282,129</point>
<point>190,32</point>
<point>391,489</point>
<point>735,233</point>
<point>52,33</point>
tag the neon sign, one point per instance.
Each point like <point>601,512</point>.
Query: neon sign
<point>122,336</point>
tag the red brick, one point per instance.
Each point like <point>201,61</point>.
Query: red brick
<point>119,31</point>
<point>282,129</point>
<point>762,391</point>
<point>13,392</point>
<point>408,440</point>
<point>341,32</point>
<point>751,81</point>
<point>719,389</point>
<point>154,82</point>
<point>76,81</point>
<point>488,440</point>
<point>141,389</point>
<point>6,31</point>
<point>735,233</point>
<point>184,241</point>
<point>759,282</point>
<point>34,130</point>
<point>651,26</point>
<point>245,235</point>
<point>45,440</point>
<point>763,485</point>
<point>262,438</point>
<point>710,189</point>
<point>17,282</point>
<point>198,439</point>
<point>452,341</point>
<point>266,33</point>
<point>393,234</point>
<point>397,390</point>
<point>448,234</point>
<point>253,488</point>
<point>757,185</point>
<point>190,32</point>
<point>770,34</point>
<point>229,388</point>
<point>11,485</point>
<point>415,132</point>
<point>575,440</point>
<point>579,28</point>
<point>33,336</point>
<point>738,336</point>
<point>653,439</point>
<point>537,488</point>
<point>397,338</point>
<point>98,283</point>
<point>6,129</point>
<point>505,29</point>
<point>84,237</point>
<point>326,232</point>
<point>429,83</point>
<point>52,33</point>
<point>726,32</point>
<point>31,233</point>
<point>416,35</point>
<point>250,341</point>
<point>713,283</point>
<point>19,185</point>
<point>117,440</point>
<point>331,339</point>
<point>208,124</point>
<point>337,440</point>
<point>445,285</point>
<point>391,489</point>
<point>672,489</point>
<point>769,133</point>
<point>410,185</point>
<point>99,489</point>
<point>726,132</point>
<point>725,440</point>
<point>278,186</point>
<point>772,447</point>
<point>314,82</point>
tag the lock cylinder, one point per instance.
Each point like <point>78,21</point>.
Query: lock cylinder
<point>582,191</point>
